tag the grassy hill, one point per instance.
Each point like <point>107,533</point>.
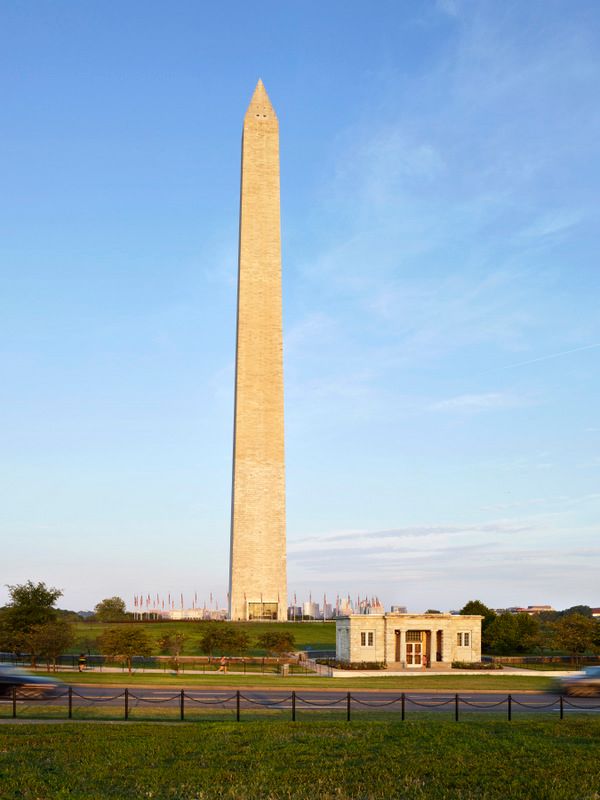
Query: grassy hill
<point>308,635</point>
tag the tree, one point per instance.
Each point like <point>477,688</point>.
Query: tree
<point>576,634</point>
<point>511,634</point>
<point>276,642</point>
<point>225,640</point>
<point>488,614</point>
<point>124,644</point>
<point>111,609</point>
<point>51,640</point>
<point>584,611</point>
<point>172,644</point>
<point>433,611</point>
<point>31,604</point>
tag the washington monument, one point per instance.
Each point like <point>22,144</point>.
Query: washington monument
<point>257,577</point>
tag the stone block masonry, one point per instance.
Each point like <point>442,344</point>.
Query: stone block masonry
<point>258,585</point>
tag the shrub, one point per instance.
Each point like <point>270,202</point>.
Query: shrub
<point>332,662</point>
<point>476,665</point>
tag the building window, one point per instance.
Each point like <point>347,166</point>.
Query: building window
<point>463,639</point>
<point>413,636</point>
<point>367,638</point>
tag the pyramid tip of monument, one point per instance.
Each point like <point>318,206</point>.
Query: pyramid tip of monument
<point>260,98</point>
<point>259,90</point>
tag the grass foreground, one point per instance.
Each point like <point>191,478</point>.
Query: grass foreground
<point>384,760</point>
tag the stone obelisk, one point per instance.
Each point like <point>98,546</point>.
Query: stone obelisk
<point>257,579</point>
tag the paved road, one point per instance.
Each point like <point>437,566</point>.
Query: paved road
<point>323,699</point>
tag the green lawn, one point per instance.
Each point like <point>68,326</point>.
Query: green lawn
<point>314,635</point>
<point>270,760</point>
<point>503,682</point>
<point>550,667</point>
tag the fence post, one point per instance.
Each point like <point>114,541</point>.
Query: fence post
<point>70,702</point>
<point>348,701</point>
<point>181,701</point>
<point>403,706</point>
<point>237,706</point>
<point>562,708</point>
<point>126,703</point>
<point>293,706</point>
<point>14,701</point>
<point>456,707</point>
<point>509,707</point>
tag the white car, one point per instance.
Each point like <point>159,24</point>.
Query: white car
<point>585,684</point>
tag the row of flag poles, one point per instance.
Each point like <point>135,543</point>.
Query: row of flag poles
<point>154,603</point>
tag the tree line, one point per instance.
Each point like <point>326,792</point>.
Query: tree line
<point>574,631</point>
<point>31,624</point>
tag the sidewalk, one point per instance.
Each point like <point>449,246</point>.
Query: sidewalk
<point>418,673</point>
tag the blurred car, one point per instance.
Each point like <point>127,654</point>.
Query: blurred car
<point>27,686</point>
<point>584,684</point>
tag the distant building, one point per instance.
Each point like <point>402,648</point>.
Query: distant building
<point>411,641</point>
<point>344,607</point>
<point>194,614</point>
<point>534,609</point>
<point>310,610</point>
<point>595,612</point>
<point>399,610</point>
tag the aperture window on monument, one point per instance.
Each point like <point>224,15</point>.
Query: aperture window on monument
<point>367,638</point>
<point>463,639</point>
<point>262,610</point>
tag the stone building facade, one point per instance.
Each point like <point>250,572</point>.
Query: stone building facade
<point>409,641</point>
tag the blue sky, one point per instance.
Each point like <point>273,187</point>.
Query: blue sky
<point>440,170</point>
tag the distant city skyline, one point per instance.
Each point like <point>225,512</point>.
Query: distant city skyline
<point>440,171</point>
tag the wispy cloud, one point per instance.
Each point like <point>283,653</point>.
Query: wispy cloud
<point>551,356</point>
<point>552,223</point>
<point>503,561</point>
<point>488,401</point>
<point>364,539</point>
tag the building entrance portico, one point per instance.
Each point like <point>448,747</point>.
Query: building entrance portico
<point>414,649</point>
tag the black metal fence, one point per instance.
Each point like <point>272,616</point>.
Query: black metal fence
<point>204,664</point>
<point>186,705</point>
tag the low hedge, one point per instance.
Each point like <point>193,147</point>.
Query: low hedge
<point>332,662</point>
<point>489,665</point>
